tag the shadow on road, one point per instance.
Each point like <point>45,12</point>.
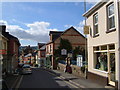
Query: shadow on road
<point>41,78</point>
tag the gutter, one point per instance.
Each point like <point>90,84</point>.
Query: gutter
<point>95,7</point>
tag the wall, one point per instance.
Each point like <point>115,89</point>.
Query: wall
<point>75,69</point>
<point>74,38</point>
<point>103,38</point>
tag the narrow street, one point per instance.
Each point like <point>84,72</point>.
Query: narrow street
<point>41,78</point>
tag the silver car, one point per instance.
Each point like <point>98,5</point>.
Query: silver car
<point>26,69</point>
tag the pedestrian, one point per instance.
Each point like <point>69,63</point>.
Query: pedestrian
<point>68,67</point>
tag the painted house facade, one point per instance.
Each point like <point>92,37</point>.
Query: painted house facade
<point>11,47</point>
<point>42,56</point>
<point>75,38</point>
<point>103,42</point>
<point>3,50</point>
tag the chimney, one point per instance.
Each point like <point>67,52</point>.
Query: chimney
<point>2,28</point>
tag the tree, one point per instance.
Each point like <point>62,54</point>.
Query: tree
<point>64,44</point>
<point>78,51</point>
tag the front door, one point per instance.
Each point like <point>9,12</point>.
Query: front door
<point>112,68</point>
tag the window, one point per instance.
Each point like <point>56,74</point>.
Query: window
<point>101,61</point>
<point>50,48</point>
<point>101,56</point>
<point>111,17</point>
<point>95,21</point>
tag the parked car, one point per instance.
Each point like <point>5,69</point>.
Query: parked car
<point>26,69</point>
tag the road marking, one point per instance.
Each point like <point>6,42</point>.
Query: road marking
<point>81,86</point>
<point>62,78</point>
<point>18,84</point>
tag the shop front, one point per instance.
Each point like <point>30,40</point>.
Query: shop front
<point>105,61</point>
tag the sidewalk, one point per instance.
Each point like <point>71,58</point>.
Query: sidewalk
<point>11,80</point>
<point>79,81</point>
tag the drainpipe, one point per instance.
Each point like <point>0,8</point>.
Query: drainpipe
<point>118,3</point>
<point>118,13</point>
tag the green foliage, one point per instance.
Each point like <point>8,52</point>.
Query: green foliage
<point>64,44</point>
<point>78,51</point>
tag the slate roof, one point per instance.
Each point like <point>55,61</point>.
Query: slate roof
<point>43,47</point>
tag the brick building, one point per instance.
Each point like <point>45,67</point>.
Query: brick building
<point>75,38</point>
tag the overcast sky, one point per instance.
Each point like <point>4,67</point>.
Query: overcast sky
<point>32,21</point>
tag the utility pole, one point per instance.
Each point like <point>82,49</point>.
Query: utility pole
<point>85,41</point>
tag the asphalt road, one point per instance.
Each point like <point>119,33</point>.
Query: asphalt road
<point>41,78</point>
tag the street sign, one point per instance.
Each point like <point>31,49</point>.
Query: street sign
<point>63,52</point>
<point>86,29</point>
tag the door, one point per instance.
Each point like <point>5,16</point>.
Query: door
<point>112,68</point>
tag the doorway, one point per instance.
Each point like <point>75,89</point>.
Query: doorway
<point>111,69</point>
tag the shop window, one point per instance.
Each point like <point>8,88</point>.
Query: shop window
<point>111,46</point>
<point>101,61</point>
<point>96,48</point>
<point>104,47</point>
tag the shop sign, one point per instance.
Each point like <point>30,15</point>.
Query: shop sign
<point>63,52</point>
<point>86,29</point>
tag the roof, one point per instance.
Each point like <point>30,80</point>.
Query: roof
<point>62,32</point>
<point>40,45</point>
<point>43,47</point>
<point>7,35</point>
<point>28,55</point>
<point>95,7</point>
<point>55,34</point>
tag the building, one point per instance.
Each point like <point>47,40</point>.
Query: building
<point>11,48</point>
<point>104,42</point>
<point>42,56</point>
<point>75,38</point>
<point>3,50</point>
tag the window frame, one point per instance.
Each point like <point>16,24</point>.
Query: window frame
<point>108,18</point>
<point>108,50</point>
<point>95,24</point>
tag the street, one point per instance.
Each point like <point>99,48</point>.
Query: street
<point>41,78</point>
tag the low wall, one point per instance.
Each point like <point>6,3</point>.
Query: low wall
<point>76,70</point>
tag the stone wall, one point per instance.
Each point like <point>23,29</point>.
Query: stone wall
<point>75,69</point>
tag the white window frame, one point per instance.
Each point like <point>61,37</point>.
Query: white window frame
<point>95,23</point>
<point>107,51</point>
<point>110,16</point>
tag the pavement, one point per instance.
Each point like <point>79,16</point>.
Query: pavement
<point>80,81</point>
<point>12,80</point>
